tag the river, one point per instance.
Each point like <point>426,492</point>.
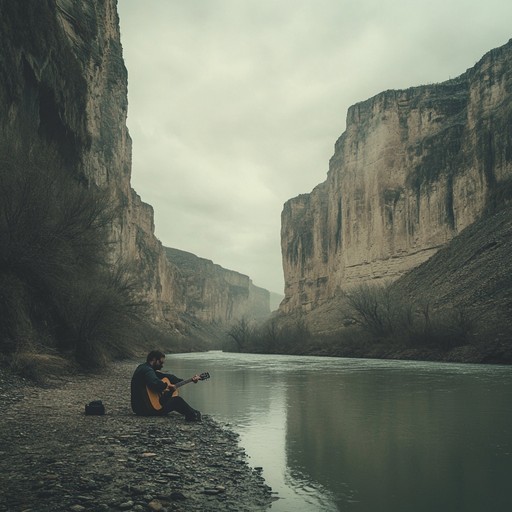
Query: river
<point>364,435</point>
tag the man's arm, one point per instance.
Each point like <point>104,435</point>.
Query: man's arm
<point>153,381</point>
<point>172,378</point>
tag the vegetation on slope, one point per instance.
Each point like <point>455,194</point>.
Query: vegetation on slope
<point>60,293</point>
<point>454,307</point>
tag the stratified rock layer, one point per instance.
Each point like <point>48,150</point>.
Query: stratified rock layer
<point>412,170</point>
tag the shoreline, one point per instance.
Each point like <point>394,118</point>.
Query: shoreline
<point>53,457</point>
<point>496,353</point>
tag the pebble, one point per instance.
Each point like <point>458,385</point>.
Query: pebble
<point>155,505</point>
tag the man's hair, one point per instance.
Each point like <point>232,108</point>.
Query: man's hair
<point>154,354</point>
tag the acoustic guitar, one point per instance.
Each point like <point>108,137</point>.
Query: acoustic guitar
<point>154,396</point>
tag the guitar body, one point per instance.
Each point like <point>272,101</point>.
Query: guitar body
<point>154,397</point>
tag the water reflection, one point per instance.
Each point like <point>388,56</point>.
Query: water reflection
<point>362,435</point>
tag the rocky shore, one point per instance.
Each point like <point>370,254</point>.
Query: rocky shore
<point>55,458</point>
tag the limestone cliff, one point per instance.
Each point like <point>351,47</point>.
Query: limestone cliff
<point>216,295</point>
<point>63,81</point>
<point>412,170</point>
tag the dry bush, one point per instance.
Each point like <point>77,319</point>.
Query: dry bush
<point>55,280</point>
<point>378,311</point>
<point>104,319</point>
<point>41,368</point>
<point>393,319</point>
<point>241,332</point>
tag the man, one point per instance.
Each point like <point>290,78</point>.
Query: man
<point>148,375</point>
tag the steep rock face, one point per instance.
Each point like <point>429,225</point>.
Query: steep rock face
<point>216,295</point>
<point>63,80</point>
<point>413,169</point>
<point>107,160</point>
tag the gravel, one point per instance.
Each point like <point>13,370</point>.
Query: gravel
<point>55,458</point>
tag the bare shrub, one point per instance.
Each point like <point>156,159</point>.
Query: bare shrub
<point>388,317</point>
<point>291,336</point>
<point>378,311</point>
<point>266,337</point>
<point>241,333</point>
<point>295,337</point>
<point>105,318</point>
<point>56,283</point>
<point>443,329</point>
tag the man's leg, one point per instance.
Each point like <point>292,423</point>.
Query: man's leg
<point>178,404</point>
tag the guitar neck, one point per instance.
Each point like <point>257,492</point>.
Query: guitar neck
<point>182,383</point>
<point>203,376</point>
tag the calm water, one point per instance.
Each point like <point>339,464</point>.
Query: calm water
<point>364,435</point>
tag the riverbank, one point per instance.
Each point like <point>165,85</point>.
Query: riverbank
<point>493,353</point>
<point>54,458</point>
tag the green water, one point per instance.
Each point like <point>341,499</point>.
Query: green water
<point>364,435</point>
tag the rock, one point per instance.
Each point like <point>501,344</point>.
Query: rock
<point>155,505</point>
<point>172,476</point>
<point>126,505</point>
<point>178,496</point>
<point>135,489</point>
<point>211,492</point>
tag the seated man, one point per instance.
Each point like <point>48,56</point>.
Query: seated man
<point>147,382</point>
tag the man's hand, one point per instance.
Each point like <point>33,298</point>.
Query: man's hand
<point>195,379</point>
<point>169,389</point>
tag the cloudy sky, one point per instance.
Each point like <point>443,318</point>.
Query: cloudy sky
<point>235,105</point>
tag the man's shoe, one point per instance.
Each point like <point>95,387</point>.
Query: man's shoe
<point>194,417</point>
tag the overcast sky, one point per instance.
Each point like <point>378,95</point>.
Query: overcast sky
<point>235,105</point>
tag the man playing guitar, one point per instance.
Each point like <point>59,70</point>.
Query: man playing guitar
<point>153,393</point>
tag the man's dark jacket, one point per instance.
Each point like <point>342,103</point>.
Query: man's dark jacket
<point>146,375</point>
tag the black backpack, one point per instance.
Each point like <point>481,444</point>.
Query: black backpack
<point>95,408</point>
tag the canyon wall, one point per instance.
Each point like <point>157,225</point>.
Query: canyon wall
<point>216,295</point>
<point>63,81</point>
<point>412,170</point>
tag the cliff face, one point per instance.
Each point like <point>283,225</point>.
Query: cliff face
<point>216,295</point>
<point>64,77</point>
<point>413,169</point>
<point>63,80</point>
